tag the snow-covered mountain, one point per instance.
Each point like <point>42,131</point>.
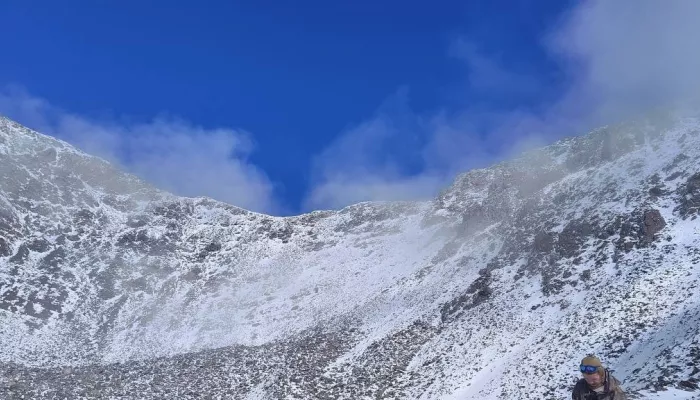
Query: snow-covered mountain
<point>110,288</point>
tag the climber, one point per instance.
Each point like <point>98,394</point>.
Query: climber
<point>597,382</point>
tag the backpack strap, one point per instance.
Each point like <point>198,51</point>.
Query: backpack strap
<point>606,387</point>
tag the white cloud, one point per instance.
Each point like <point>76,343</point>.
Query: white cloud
<point>626,56</point>
<point>620,58</point>
<point>172,154</point>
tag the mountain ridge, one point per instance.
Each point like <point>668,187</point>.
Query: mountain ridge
<point>391,300</point>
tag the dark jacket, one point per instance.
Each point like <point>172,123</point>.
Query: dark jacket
<point>612,390</point>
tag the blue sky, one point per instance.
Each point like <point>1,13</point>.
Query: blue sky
<point>284,107</point>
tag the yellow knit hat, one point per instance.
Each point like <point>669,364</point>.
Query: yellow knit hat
<point>592,361</point>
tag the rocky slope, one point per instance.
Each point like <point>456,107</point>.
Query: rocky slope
<point>110,288</point>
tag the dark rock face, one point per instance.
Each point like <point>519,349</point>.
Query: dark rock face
<point>21,255</point>
<point>657,191</point>
<point>689,197</point>
<point>638,230</point>
<point>676,161</point>
<point>10,301</point>
<point>477,293</point>
<point>173,211</point>
<point>212,247</point>
<point>544,242</point>
<point>5,249</point>
<point>652,223</point>
<point>572,238</point>
<point>475,219</point>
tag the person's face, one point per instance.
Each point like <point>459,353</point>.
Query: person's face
<point>594,379</point>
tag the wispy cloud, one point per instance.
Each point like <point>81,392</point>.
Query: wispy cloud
<point>486,73</point>
<point>619,58</point>
<point>170,153</point>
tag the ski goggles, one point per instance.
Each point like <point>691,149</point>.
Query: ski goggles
<point>588,369</point>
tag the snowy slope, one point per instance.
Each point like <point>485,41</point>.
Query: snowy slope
<point>110,287</point>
